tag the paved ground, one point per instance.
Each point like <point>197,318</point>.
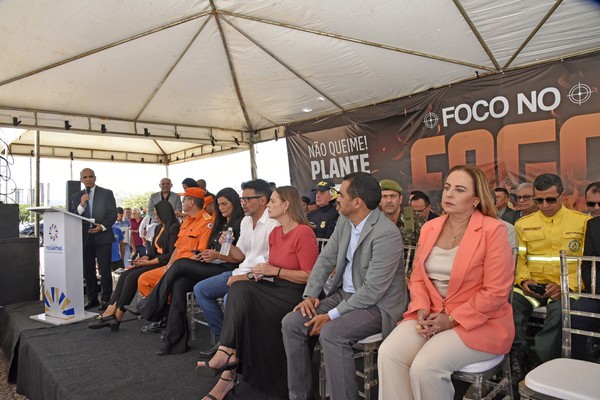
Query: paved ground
<point>7,392</point>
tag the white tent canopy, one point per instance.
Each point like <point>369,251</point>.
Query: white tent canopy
<point>200,77</point>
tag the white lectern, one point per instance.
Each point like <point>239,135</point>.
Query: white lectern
<point>63,258</point>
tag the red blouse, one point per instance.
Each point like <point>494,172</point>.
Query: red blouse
<point>297,249</point>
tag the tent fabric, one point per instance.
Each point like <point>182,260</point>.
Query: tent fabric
<point>212,74</point>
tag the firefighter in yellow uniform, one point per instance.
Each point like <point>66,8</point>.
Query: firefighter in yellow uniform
<point>541,237</point>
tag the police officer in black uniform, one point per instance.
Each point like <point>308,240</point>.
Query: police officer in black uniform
<point>323,219</point>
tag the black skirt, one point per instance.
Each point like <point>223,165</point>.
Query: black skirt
<point>252,326</point>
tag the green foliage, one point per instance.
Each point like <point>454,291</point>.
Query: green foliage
<point>23,213</point>
<point>28,216</point>
<point>136,200</point>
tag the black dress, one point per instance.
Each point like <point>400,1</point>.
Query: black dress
<point>252,326</point>
<point>254,310</point>
<point>174,285</point>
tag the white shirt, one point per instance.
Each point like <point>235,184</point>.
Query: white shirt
<point>254,242</point>
<point>348,283</point>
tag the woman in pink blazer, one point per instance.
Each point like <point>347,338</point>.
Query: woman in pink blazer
<point>459,312</point>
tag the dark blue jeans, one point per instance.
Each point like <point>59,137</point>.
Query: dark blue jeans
<point>207,292</point>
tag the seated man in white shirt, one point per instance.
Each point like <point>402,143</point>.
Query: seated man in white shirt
<point>252,243</point>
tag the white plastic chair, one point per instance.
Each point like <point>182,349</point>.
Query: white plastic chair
<point>481,373</point>
<point>565,378</point>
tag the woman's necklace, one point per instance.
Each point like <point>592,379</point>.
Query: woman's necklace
<point>455,235</point>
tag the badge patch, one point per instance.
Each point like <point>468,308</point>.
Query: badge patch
<point>574,245</point>
<point>323,223</point>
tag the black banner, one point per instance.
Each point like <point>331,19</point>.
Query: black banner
<point>513,126</point>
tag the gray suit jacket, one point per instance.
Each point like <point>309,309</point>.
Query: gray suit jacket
<point>174,199</point>
<point>377,269</point>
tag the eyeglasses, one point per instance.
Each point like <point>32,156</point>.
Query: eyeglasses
<point>592,204</point>
<point>549,200</point>
<point>247,199</point>
<point>526,197</point>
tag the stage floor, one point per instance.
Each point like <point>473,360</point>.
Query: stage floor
<point>73,362</point>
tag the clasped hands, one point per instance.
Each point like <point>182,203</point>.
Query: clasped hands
<point>308,308</point>
<point>428,324</point>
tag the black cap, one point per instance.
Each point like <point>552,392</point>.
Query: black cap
<point>324,185</point>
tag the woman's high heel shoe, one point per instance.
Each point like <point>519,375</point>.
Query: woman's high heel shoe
<point>205,370</point>
<point>101,322</point>
<point>232,390</point>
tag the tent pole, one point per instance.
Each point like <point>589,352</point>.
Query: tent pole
<point>37,181</point>
<point>252,160</point>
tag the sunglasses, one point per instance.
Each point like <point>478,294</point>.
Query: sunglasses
<point>549,200</point>
<point>247,199</point>
<point>526,197</point>
<point>592,204</point>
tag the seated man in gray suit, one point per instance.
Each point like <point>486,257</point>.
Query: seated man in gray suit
<point>368,295</point>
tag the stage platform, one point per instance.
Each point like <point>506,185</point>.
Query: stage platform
<point>72,362</point>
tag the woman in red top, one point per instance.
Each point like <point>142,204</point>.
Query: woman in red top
<point>137,244</point>
<point>251,335</point>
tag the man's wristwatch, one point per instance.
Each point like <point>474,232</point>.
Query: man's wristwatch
<point>250,275</point>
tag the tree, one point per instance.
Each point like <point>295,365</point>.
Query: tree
<point>137,200</point>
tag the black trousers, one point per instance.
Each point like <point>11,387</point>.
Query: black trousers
<point>177,281</point>
<point>127,285</point>
<point>91,253</point>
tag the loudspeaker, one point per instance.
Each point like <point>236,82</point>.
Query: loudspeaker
<point>9,221</point>
<point>19,270</point>
<point>72,188</point>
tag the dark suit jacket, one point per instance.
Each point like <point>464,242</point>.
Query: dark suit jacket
<point>511,216</point>
<point>104,212</point>
<point>432,215</point>
<point>591,247</point>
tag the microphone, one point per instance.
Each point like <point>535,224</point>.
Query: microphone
<point>87,190</point>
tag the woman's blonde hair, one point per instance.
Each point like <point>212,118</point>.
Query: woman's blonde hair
<point>482,189</point>
<point>292,196</point>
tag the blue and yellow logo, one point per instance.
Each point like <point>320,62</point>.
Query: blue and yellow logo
<point>53,232</point>
<point>55,302</point>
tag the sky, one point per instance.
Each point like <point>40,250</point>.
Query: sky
<point>135,178</point>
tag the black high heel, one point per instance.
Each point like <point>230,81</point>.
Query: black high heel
<point>101,322</point>
<point>206,371</point>
<point>233,379</point>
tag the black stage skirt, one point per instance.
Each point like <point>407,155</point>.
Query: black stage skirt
<point>252,326</point>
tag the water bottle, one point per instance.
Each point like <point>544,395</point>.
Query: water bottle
<point>227,245</point>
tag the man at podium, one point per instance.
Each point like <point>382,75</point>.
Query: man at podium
<point>98,203</point>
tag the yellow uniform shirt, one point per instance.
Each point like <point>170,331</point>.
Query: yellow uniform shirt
<point>542,238</point>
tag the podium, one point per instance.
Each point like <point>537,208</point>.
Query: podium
<point>63,257</point>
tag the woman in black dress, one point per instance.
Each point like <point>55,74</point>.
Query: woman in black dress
<point>182,276</point>
<point>163,245</point>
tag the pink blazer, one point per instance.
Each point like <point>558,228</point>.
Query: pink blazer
<point>480,282</point>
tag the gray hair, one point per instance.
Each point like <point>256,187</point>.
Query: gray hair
<point>524,185</point>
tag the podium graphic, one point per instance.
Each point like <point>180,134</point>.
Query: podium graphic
<point>63,257</point>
